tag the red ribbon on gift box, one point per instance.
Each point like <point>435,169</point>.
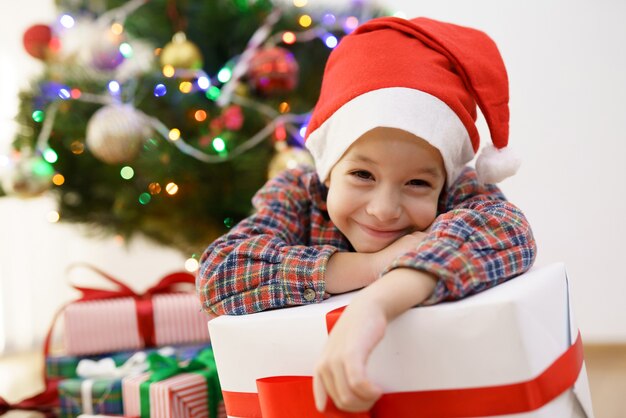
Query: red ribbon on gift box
<point>47,400</point>
<point>289,396</point>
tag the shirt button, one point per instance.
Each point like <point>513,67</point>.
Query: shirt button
<point>309,294</point>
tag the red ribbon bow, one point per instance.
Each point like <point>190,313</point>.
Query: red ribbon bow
<point>289,396</point>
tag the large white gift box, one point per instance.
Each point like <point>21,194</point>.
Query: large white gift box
<point>511,351</point>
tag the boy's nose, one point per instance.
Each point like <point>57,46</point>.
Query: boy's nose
<point>384,206</point>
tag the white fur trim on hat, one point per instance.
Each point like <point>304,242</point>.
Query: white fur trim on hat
<point>494,165</point>
<point>414,111</point>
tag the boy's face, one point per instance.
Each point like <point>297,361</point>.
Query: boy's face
<point>385,186</point>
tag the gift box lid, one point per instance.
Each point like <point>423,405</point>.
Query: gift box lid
<point>509,333</point>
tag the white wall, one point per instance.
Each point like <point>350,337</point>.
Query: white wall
<point>566,62</point>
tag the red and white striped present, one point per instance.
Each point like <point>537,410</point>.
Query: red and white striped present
<point>104,321</point>
<point>130,393</point>
<point>181,396</point>
<point>113,324</point>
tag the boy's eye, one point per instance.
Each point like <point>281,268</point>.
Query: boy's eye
<point>418,183</point>
<point>362,174</point>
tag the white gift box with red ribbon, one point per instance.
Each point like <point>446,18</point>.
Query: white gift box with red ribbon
<point>511,351</point>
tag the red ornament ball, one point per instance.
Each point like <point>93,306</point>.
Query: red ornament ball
<point>37,40</point>
<point>273,70</point>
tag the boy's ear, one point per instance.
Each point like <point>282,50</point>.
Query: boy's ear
<point>327,181</point>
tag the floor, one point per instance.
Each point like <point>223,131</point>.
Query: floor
<point>606,367</point>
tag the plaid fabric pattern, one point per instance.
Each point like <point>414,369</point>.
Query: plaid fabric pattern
<point>62,366</point>
<point>106,397</point>
<point>269,259</point>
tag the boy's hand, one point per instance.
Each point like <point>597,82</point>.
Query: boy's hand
<point>341,373</point>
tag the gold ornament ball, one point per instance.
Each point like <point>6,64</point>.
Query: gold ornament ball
<point>289,157</point>
<point>116,132</point>
<point>181,53</point>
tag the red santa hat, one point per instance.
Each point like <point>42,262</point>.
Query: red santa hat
<point>422,76</point>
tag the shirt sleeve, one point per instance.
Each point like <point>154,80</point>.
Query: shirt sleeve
<point>265,261</point>
<point>480,240</point>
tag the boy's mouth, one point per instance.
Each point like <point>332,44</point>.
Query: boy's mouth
<point>385,233</point>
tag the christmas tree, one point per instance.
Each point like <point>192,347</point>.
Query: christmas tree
<point>164,116</point>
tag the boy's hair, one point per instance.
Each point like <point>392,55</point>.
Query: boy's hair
<point>422,76</point>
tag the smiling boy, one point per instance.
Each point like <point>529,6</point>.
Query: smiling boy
<point>391,206</point>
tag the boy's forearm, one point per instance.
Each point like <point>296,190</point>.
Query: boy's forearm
<point>347,271</point>
<point>398,291</point>
<point>350,271</point>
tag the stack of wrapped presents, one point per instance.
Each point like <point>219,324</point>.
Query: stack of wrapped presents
<point>136,355</point>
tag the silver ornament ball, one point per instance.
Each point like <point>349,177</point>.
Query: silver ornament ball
<point>116,132</point>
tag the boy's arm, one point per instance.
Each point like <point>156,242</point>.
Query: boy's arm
<point>262,262</point>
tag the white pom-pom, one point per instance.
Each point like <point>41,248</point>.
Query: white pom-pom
<point>494,165</point>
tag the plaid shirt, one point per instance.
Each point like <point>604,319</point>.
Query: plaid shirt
<point>270,259</point>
